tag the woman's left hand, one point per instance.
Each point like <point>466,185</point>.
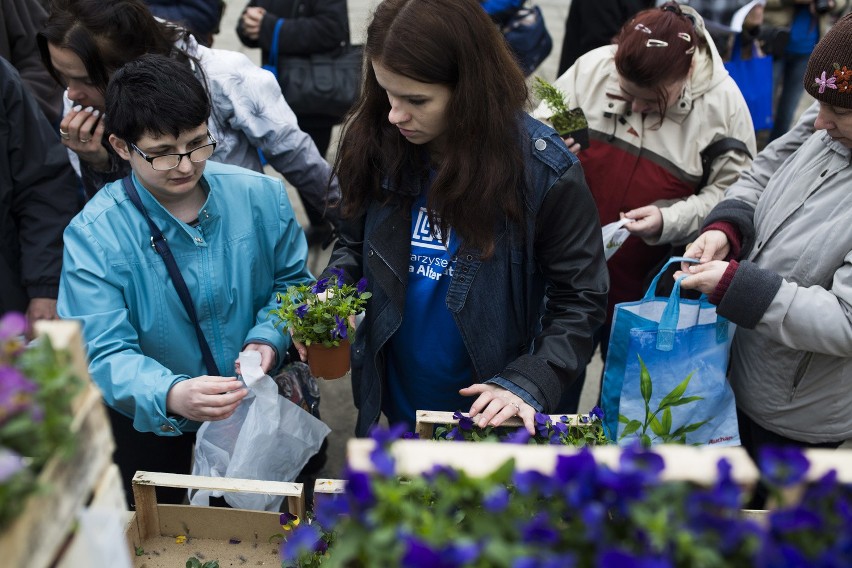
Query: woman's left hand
<point>647,221</point>
<point>495,405</point>
<point>267,356</point>
<point>252,18</point>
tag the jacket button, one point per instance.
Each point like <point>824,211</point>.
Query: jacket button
<point>469,257</point>
<point>461,278</point>
<point>610,105</point>
<point>464,268</point>
<point>167,428</point>
<point>540,144</point>
<point>199,240</point>
<point>370,253</point>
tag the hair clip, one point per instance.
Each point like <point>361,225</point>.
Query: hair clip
<point>643,28</point>
<point>656,43</point>
<point>685,37</point>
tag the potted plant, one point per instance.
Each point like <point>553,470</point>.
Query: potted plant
<point>567,122</point>
<point>321,315</point>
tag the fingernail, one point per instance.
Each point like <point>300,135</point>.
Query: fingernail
<point>96,113</point>
<point>90,109</point>
<point>77,108</point>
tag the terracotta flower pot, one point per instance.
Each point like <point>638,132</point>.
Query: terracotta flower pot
<point>328,362</point>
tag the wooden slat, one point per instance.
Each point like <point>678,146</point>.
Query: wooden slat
<point>414,457</point>
<point>218,523</point>
<point>35,537</point>
<point>329,486</point>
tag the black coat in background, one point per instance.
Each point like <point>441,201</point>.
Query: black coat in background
<point>38,197</point>
<point>593,23</point>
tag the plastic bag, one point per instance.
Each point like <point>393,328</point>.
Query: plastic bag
<point>267,438</point>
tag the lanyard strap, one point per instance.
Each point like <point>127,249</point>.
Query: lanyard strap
<point>158,241</point>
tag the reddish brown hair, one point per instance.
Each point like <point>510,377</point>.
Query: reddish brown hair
<point>656,66</point>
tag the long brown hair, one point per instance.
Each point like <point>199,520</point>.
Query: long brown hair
<point>653,65</point>
<point>481,175</point>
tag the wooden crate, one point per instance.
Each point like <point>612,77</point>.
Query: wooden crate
<point>68,484</point>
<point>231,536</point>
<point>428,420</point>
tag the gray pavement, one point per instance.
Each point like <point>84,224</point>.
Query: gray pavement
<point>336,407</point>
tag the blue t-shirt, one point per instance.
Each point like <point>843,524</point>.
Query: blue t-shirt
<point>427,360</point>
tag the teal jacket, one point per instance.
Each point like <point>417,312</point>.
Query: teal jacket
<point>246,247</point>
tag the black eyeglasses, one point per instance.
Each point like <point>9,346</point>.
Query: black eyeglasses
<point>171,161</point>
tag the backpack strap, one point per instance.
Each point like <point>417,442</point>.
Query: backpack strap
<point>716,149</point>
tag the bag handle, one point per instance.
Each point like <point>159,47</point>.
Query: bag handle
<point>273,49</point>
<point>158,241</point>
<point>649,294</point>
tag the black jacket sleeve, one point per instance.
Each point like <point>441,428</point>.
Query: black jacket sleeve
<point>42,188</point>
<point>319,26</point>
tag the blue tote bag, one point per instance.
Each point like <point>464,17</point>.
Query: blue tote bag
<point>754,78</point>
<point>673,339</point>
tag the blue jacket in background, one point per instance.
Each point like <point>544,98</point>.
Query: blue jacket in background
<point>140,341</point>
<point>201,17</point>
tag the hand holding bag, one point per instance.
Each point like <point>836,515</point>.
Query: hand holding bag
<point>673,339</point>
<point>324,84</point>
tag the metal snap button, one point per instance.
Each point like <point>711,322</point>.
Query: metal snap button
<point>540,144</point>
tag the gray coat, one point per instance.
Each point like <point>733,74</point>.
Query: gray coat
<point>791,360</point>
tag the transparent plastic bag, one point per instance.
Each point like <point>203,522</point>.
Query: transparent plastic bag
<point>267,438</point>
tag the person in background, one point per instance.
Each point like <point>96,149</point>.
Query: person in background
<point>318,27</point>
<point>654,101</point>
<point>20,21</point>
<point>85,41</point>
<point>201,17</point>
<point>37,200</point>
<point>776,258</point>
<point>236,242</point>
<point>593,24</point>
<point>471,222</point>
<point>808,20</point>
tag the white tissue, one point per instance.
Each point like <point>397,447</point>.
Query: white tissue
<point>250,367</point>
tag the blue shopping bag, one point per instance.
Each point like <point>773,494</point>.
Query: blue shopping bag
<point>673,339</point>
<point>754,78</point>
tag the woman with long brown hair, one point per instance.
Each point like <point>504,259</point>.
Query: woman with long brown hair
<point>471,222</point>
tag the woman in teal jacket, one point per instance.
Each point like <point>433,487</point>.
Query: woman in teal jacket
<point>236,243</point>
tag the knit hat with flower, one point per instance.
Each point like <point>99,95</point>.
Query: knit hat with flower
<point>829,75</point>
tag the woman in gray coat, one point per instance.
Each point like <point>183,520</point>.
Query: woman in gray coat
<point>790,293</point>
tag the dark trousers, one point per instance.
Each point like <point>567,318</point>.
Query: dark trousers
<point>754,437</point>
<point>145,451</point>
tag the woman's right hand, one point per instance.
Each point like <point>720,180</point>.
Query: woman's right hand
<point>82,131</point>
<point>572,145</point>
<point>710,245</point>
<point>206,398</point>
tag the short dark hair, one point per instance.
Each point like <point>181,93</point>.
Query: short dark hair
<point>154,95</point>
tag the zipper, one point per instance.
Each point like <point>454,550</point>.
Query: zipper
<point>800,373</point>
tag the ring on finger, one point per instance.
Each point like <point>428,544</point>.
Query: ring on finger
<point>85,140</point>
<point>517,407</point>
<point>64,134</point>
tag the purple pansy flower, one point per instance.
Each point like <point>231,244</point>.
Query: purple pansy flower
<point>12,325</point>
<point>304,539</point>
<point>361,286</point>
<point>10,464</point>
<point>519,436</point>
<point>16,394</point>
<point>540,531</point>
<point>598,413</point>
<point>302,311</point>
<point>338,274</point>
<point>341,329</point>
<point>465,422</point>
<point>783,466</point>
<point>497,500</point>
<point>320,286</point>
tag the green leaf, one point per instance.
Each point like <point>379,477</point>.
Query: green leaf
<point>623,419</point>
<point>656,427</point>
<point>667,420</point>
<point>140,551</point>
<point>695,426</point>
<point>686,400</point>
<point>631,427</point>
<point>193,562</point>
<point>676,393</point>
<point>645,382</point>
